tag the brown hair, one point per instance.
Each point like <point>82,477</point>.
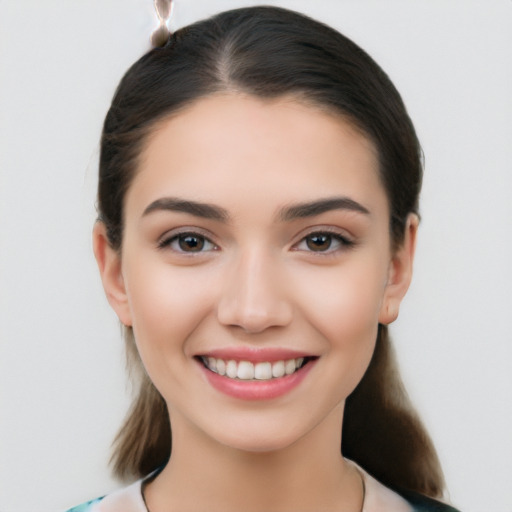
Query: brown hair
<point>269,52</point>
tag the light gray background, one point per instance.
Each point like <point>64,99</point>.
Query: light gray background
<point>62,386</point>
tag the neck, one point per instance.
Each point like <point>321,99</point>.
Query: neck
<point>308,475</point>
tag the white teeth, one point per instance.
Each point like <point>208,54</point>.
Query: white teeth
<point>221,367</point>
<point>212,363</point>
<point>231,369</point>
<point>289,366</point>
<point>263,371</point>
<point>245,370</point>
<point>278,369</point>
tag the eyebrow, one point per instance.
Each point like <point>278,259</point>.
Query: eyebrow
<point>286,214</point>
<point>204,210</point>
<point>310,209</point>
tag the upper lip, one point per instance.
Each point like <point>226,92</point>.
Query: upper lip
<point>255,355</point>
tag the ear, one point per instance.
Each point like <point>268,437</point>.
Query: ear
<point>399,273</point>
<point>109,264</point>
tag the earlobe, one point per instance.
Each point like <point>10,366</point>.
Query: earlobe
<point>399,273</point>
<point>109,265</point>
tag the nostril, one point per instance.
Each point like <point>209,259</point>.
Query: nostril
<point>253,297</point>
<point>251,320</point>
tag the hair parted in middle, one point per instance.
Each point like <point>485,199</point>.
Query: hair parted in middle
<point>270,52</point>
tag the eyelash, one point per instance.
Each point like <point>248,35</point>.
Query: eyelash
<point>341,242</point>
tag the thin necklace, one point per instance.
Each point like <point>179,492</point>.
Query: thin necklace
<point>363,485</point>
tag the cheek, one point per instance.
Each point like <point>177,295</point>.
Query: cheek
<point>347,297</point>
<point>343,306</point>
<point>167,305</point>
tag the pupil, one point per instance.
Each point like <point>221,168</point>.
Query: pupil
<point>319,242</point>
<point>190,243</point>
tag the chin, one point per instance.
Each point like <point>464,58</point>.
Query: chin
<point>260,445</point>
<point>261,438</point>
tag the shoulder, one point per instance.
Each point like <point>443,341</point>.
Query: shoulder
<point>127,499</point>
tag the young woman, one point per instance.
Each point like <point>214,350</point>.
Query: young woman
<point>258,197</point>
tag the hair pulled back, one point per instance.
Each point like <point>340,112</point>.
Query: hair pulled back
<point>269,52</point>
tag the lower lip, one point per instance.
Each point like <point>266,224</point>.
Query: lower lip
<point>257,389</point>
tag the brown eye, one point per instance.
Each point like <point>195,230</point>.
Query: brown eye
<point>319,242</point>
<point>188,242</point>
<point>191,243</point>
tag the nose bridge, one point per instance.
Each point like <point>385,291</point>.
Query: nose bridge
<point>254,296</point>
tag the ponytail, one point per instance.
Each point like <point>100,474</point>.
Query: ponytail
<point>143,443</point>
<point>383,433</point>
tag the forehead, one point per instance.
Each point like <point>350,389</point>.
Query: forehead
<point>225,146</point>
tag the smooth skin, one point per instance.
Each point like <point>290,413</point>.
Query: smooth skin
<point>256,268</point>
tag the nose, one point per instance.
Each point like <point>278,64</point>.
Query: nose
<point>254,295</point>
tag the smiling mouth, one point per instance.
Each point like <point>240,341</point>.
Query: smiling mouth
<point>248,371</point>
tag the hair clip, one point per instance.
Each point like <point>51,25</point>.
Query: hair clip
<point>163,10</point>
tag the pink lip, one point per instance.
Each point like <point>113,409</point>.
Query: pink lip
<point>257,390</point>
<point>255,355</point>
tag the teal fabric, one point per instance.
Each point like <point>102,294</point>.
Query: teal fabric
<point>85,507</point>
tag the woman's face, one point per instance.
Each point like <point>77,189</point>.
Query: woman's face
<point>256,243</point>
